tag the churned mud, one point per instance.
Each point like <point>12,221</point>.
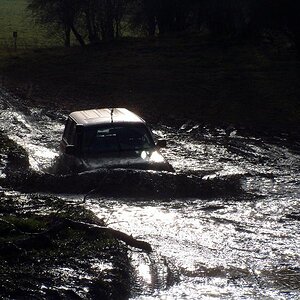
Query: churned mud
<point>42,256</point>
<point>50,248</point>
<point>230,231</point>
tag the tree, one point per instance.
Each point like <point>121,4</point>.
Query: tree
<point>97,19</point>
<point>142,16</point>
<point>103,19</point>
<point>58,15</point>
<point>162,16</point>
<point>292,21</point>
<point>280,15</point>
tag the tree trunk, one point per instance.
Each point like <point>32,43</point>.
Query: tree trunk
<point>67,36</point>
<point>109,21</point>
<point>78,36</point>
<point>151,25</point>
<point>297,42</point>
<point>96,229</point>
<point>118,25</point>
<point>93,35</point>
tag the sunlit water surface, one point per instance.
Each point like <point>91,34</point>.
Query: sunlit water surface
<point>203,248</point>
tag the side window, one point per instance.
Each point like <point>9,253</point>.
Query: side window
<point>67,129</point>
<point>69,133</point>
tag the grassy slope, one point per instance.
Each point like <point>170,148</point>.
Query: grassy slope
<point>14,17</point>
<point>183,77</point>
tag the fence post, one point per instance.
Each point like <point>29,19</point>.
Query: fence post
<point>15,35</point>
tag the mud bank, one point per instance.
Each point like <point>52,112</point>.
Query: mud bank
<point>12,156</point>
<point>42,256</point>
<point>127,183</point>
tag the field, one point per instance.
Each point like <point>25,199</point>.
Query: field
<point>164,79</point>
<point>188,77</point>
<point>14,17</point>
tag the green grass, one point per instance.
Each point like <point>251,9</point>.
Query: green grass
<point>15,17</point>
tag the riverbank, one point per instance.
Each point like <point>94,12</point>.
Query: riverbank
<point>168,79</point>
<point>51,248</point>
<point>38,256</point>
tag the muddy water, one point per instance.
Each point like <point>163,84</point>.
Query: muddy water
<point>221,248</point>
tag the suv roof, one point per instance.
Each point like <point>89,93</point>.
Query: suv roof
<point>104,116</point>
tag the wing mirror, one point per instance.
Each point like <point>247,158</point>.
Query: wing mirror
<point>70,150</point>
<point>161,143</point>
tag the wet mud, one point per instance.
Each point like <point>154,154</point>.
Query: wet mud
<point>126,183</point>
<point>42,257</point>
<point>231,228</point>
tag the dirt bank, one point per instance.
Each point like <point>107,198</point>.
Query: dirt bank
<point>42,257</point>
<point>51,249</point>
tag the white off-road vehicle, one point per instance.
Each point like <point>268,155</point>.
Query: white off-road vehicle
<point>110,138</point>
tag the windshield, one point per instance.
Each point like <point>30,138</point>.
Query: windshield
<point>116,137</point>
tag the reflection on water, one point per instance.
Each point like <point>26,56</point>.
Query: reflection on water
<point>229,249</point>
<point>216,249</point>
<point>232,252</point>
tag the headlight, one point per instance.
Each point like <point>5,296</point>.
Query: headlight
<point>156,157</point>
